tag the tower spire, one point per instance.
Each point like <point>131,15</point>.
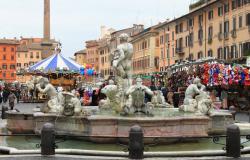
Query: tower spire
<point>46,27</point>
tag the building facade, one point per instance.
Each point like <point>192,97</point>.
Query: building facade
<point>8,48</point>
<point>115,41</point>
<point>92,54</point>
<point>146,52</point>
<point>81,57</point>
<point>218,28</point>
<point>104,58</point>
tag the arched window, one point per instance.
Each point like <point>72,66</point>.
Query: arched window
<point>200,55</point>
<point>210,53</point>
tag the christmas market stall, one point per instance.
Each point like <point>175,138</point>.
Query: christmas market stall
<point>228,83</point>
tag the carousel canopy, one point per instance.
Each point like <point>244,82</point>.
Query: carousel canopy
<point>55,63</point>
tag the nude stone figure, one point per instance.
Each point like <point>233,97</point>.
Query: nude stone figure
<point>196,99</point>
<point>136,94</point>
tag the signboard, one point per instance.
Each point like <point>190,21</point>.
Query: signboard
<point>248,61</point>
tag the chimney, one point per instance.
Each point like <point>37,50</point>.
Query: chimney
<point>46,27</point>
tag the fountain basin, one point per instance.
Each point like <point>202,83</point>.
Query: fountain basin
<point>103,128</point>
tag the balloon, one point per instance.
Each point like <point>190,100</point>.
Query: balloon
<point>82,71</point>
<point>85,71</point>
<point>94,72</point>
<point>89,72</point>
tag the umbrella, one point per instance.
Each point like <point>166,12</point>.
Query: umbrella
<point>54,63</point>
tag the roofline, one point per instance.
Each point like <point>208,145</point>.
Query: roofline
<point>136,37</point>
<point>183,16</point>
<point>121,30</point>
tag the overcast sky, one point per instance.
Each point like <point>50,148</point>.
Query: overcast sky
<point>75,21</point>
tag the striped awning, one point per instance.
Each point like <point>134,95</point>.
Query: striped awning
<point>55,63</point>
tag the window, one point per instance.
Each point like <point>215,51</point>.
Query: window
<point>26,55</point>
<point>240,22</point>
<point>234,53</point>
<point>37,55</point>
<point>4,57</point>
<point>220,11</point>
<point>234,4</point>
<point>226,8</point>
<point>240,50</point>
<point>177,29</point>
<point>173,53</point>
<point>31,54</point>
<point>200,34</point>
<point>234,23</point>
<point>12,66</point>
<point>4,75</point>
<point>246,2</point>
<point>220,27</point>
<point>161,40</point>
<point>4,66</point>
<point>18,55</point>
<point>191,38</point>
<point>19,65</point>
<point>162,53</point>
<point>226,52</point>
<point>187,37</point>
<point>248,19</point>
<point>167,38</point>
<point>26,64</point>
<point>172,36</point>
<point>226,26</point>
<point>191,22</point>
<point>219,53</point>
<point>200,55</point>
<point>191,57</point>
<point>157,42</point>
<point>211,15</point>
<point>239,2</point>
<point>181,27</point>
<point>210,32</point>
<point>12,74</point>
<point>210,53</point>
<point>12,57</point>
<point>4,49</point>
<point>200,19</point>
<point>12,49</point>
<point>168,53</point>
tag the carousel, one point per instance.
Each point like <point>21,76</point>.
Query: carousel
<point>60,71</point>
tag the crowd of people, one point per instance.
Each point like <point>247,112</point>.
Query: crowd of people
<point>10,93</point>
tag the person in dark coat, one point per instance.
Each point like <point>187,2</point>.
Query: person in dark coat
<point>5,95</point>
<point>94,101</point>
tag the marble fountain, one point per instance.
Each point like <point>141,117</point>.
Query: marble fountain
<point>123,108</point>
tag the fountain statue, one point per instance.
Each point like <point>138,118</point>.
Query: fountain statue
<point>196,99</point>
<point>159,101</point>
<point>55,100</point>
<point>113,100</point>
<point>136,99</point>
<point>60,103</point>
<point>124,97</point>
